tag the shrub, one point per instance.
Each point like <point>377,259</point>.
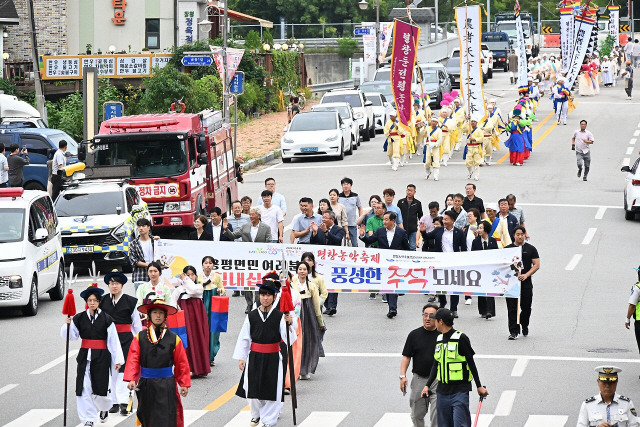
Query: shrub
<point>347,46</point>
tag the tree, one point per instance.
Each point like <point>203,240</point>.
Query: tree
<point>166,85</point>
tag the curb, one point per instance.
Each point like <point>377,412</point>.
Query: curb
<point>261,160</point>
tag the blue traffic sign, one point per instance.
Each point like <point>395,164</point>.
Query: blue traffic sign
<point>365,31</point>
<point>197,61</point>
<point>112,109</point>
<point>237,83</point>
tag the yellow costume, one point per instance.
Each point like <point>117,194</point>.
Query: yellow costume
<point>487,125</point>
<point>433,151</point>
<point>475,137</point>
<point>395,136</point>
<point>420,127</point>
<point>447,126</point>
<point>456,136</point>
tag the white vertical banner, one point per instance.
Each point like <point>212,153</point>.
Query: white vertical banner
<point>469,23</point>
<point>369,45</point>
<point>522,50</point>
<point>583,27</point>
<point>566,36</point>
<point>386,29</point>
<point>614,23</point>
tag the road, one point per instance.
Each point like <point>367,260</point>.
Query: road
<point>587,252</point>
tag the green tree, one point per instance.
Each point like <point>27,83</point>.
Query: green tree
<point>166,85</point>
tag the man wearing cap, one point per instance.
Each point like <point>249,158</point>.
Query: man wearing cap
<point>122,308</point>
<point>607,408</point>
<point>432,149</point>
<point>395,140</point>
<point>454,368</point>
<point>259,357</point>
<point>634,309</point>
<point>474,154</point>
<point>99,353</point>
<point>157,364</point>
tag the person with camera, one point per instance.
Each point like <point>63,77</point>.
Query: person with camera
<point>17,161</point>
<point>57,169</point>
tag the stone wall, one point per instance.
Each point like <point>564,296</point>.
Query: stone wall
<point>51,27</point>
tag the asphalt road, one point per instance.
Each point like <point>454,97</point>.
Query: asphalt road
<point>587,252</point>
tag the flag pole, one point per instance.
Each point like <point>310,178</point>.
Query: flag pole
<point>292,379</point>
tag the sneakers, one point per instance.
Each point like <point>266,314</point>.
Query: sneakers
<point>431,299</point>
<point>372,296</point>
<point>287,391</point>
<point>254,422</point>
<point>305,377</point>
<point>455,314</point>
<point>467,301</point>
<point>88,424</point>
<point>513,337</point>
<point>584,178</point>
<point>392,313</point>
<point>579,172</point>
<point>525,331</point>
<point>103,416</point>
<point>123,409</point>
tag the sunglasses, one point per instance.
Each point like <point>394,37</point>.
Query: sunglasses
<point>429,316</point>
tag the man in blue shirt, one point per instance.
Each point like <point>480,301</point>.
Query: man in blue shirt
<point>301,227</point>
<point>388,194</point>
<point>276,198</point>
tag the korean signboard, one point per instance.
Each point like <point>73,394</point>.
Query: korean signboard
<point>566,36</point>
<point>113,66</point>
<point>119,7</point>
<point>583,26</point>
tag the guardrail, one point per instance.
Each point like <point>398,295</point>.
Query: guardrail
<point>325,87</point>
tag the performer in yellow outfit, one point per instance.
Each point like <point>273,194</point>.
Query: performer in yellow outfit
<point>420,125</point>
<point>447,126</point>
<point>395,140</point>
<point>433,149</point>
<point>488,125</point>
<point>474,154</point>
<point>459,116</point>
<point>409,146</point>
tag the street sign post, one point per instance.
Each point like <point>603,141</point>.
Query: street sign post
<point>362,31</point>
<point>237,83</point>
<point>197,61</point>
<point>112,109</point>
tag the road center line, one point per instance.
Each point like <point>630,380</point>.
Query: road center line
<point>497,357</point>
<point>519,367</point>
<point>629,151</point>
<point>544,135</point>
<point>626,161</point>
<point>7,388</point>
<point>574,262</point>
<point>53,363</point>
<point>601,211</point>
<point>227,396</point>
<point>503,408</point>
<point>590,233</point>
<point>633,141</point>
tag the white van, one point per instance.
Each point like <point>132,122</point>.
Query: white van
<point>31,260</point>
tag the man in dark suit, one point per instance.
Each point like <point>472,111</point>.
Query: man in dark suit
<point>215,228</point>
<point>328,233</point>
<point>389,237</point>
<point>446,239</point>
<point>486,305</point>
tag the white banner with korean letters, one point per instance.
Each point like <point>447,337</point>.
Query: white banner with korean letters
<point>469,23</point>
<point>614,23</point>
<point>583,27</point>
<point>566,36</point>
<point>348,269</point>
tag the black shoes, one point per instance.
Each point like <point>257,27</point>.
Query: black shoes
<point>123,409</point>
<point>114,409</point>
<point>330,311</point>
<point>235,294</point>
<point>392,313</point>
<point>104,415</point>
<point>579,172</point>
<point>455,314</point>
<point>488,316</point>
<point>513,337</point>
<point>525,331</point>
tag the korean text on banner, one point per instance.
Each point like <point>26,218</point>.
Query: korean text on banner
<point>385,37</point>
<point>234,56</point>
<point>469,23</point>
<point>583,26</point>
<point>403,59</point>
<point>369,45</point>
<point>566,36</point>
<point>522,49</point>
<point>242,265</point>
<point>614,23</point>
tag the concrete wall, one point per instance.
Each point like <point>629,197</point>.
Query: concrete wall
<point>326,67</point>
<point>436,52</point>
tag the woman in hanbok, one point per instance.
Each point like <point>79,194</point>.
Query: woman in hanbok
<point>212,286</point>
<point>607,69</point>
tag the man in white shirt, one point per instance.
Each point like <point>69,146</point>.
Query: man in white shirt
<point>581,142</point>
<point>4,168</point>
<point>628,50</point>
<point>636,53</point>
<point>57,169</point>
<point>277,199</point>
<point>272,216</point>
<point>215,225</point>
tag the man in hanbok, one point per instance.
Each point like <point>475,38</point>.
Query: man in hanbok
<point>607,68</point>
<point>395,140</point>
<point>99,354</point>
<point>473,151</point>
<point>488,125</point>
<point>561,96</point>
<point>447,127</point>
<point>432,149</point>
<point>259,357</point>
<point>420,125</point>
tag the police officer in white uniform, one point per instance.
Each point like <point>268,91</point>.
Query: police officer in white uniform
<point>607,408</point>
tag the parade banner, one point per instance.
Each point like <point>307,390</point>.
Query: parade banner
<point>469,23</point>
<point>403,60</point>
<point>234,56</point>
<point>348,269</point>
<point>522,50</point>
<point>583,25</point>
<point>369,46</point>
<point>566,36</point>
<point>614,23</point>
<point>385,37</point>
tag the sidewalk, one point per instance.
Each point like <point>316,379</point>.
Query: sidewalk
<point>260,136</point>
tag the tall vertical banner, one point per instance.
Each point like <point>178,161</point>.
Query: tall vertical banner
<point>385,37</point>
<point>369,45</point>
<point>522,50</point>
<point>469,23</point>
<point>614,23</point>
<point>583,26</point>
<point>403,61</point>
<point>566,36</point>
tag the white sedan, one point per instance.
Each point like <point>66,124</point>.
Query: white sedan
<point>316,134</point>
<point>632,190</point>
<point>348,117</point>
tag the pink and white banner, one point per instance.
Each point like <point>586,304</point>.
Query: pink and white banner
<point>234,56</point>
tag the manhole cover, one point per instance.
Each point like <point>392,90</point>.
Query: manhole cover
<point>608,350</point>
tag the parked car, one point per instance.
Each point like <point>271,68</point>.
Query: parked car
<point>484,62</point>
<point>499,44</point>
<point>453,69</point>
<point>348,117</point>
<point>41,145</point>
<point>488,54</point>
<point>98,220</point>
<point>382,86</point>
<point>380,105</point>
<point>384,74</point>
<point>361,106</point>
<point>435,83</point>
<point>632,190</point>
<point>31,259</point>
<point>316,134</point>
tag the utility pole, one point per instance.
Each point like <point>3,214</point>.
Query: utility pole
<point>437,30</point>
<point>539,27</point>
<point>488,16</point>
<point>36,64</point>
<point>225,80</point>
<point>377,34</point>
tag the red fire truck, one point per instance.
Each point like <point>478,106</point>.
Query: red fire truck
<point>181,164</point>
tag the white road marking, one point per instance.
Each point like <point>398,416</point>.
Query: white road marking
<point>499,357</point>
<point>574,262</point>
<point>601,211</point>
<point>392,419</point>
<point>328,419</point>
<point>357,165</point>
<point>633,141</point>
<point>53,363</point>
<point>35,418</point>
<point>590,233</point>
<point>7,388</point>
<point>191,416</point>
<point>546,421</point>
<point>112,419</point>
<point>519,367</point>
<point>484,420</point>
<point>567,205</point>
<point>266,169</point>
<point>240,420</point>
<point>626,161</point>
<point>629,151</point>
<point>636,133</point>
<point>505,404</point>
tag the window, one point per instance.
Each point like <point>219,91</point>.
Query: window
<point>152,33</point>
<point>131,198</point>
<point>36,145</point>
<point>193,154</point>
<point>39,218</point>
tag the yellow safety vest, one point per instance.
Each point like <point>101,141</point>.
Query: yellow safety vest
<point>452,366</point>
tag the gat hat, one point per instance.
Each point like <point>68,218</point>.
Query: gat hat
<point>115,275</point>
<point>444,313</point>
<point>93,289</point>
<point>607,374</point>
<point>271,283</point>
<point>159,303</point>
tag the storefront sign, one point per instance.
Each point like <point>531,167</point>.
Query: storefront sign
<point>109,66</point>
<point>119,7</point>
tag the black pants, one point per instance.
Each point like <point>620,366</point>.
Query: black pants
<point>629,87</point>
<point>454,301</point>
<point>526,297</point>
<point>637,326</point>
<point>487,305</point>
<point>56,186</point>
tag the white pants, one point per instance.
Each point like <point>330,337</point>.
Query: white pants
<point>563,109</point>
<point>119,389</point>
<point>88,403</point>
<point>266,410</point>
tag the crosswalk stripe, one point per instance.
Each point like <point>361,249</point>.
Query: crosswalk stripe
<point>325,419</point>
<point>112,419</point>
<point>503,408</point>
<point>35,418</point>
<point>485,419</point>
<point>7,388</point>
<point>391,419</point>
<point>240,420</point>
<point>546,420</point>
<point>192,415</point>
